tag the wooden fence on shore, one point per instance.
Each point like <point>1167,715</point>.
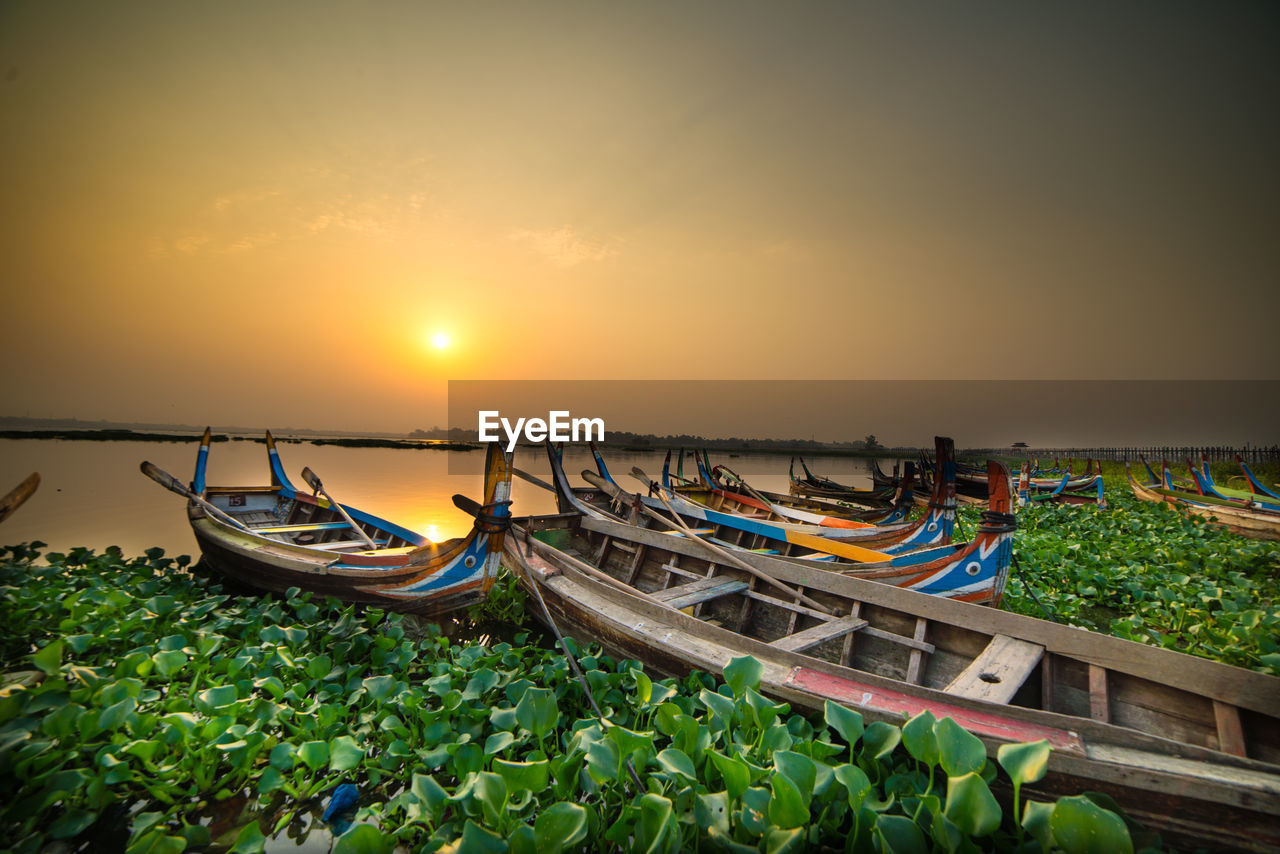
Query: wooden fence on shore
<point>1249,453</point>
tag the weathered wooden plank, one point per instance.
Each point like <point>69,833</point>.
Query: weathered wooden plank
<point>998,673</point>
<point>917,656</point>
<point>1230,732</point>
<point>815,635</point>
<point>684,595</point>
<point>1099,699</point>
<point>289,529</point>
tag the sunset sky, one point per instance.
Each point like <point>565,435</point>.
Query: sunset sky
<point>316,214</point>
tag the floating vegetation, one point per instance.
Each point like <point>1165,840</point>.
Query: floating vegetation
<point>143,704</point>
<point>1145,572</point>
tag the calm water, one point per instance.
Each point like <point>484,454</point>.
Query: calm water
<point>92,494</point>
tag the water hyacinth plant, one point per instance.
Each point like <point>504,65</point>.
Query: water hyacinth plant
<point>146,709</point>
<point>1147,573</point>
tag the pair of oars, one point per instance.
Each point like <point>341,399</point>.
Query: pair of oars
<point>174,485</point>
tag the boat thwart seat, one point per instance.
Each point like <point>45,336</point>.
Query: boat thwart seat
<point>703,590</point>
<point>999,671</point>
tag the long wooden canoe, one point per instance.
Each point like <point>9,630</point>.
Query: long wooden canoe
<point>17,496</point>
<point>1249,523</point>
<point>1187,746</point>
<point>1090,493</point>
<point>275,537</point>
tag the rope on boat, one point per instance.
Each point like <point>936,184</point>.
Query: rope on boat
<point>536,586</point>
<point>490,523</point>
<point>1017,567</point>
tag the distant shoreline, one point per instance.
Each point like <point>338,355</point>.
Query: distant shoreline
<point>122,435</point>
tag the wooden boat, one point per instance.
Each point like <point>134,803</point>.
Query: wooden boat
<point>276,537</point>
<point>1252,499</point>
<point>974,572</point>
<point>934,528</point>
<point>17,496</point>
<point>723,489</point>
<point>1061,494</point>
<point>1255,484</point>
<point>814,486</point>
<point>798,507</point>
<point>1241,520</point>
<point>1187,746</point>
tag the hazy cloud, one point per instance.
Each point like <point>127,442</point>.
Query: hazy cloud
<point>564,246</point>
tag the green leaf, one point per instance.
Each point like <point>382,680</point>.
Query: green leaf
<point>537,711</point>
<point>1025,763</point>
<point>711,810</point>
<point>169,663</point>
<point>157,842</point>
<point>799,769</point>
<point>737,777</point>
<point>524,776</point>
<point>787,806</point>
<point>315,754</point>
<point>427,792</point>
<point>1082,827</point>
<point>282,756</point>
<point>344,753</point>
<point>960,751</point>
<point>491,791</point>
<point>918,738</point>
<point>498,742</point>
<point>899,835</point>
<point>881,739</point>
<point>743,673</point>
<point>49,659</point>
<point>720,706</point>
<point>677,762</point>
<point>763,711</point>
<point>855,782</point>
<point>656,831</point>
<point>1035,819</point>
<point>250,840</point>
<point>216,698</point>
<point>843,720</point>
<point>630,742</point>
<point>270,780</point>
<point>779,841</point>
<point>971,805</point>
<point>476,840</point>
<point>559,827</point>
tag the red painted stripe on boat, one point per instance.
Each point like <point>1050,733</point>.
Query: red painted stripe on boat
<point>859,694</point>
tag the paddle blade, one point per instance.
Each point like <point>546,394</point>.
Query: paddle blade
<point>310,477</point>
<point>165,479</point>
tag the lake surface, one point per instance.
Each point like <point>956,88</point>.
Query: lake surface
<point>92,493</point>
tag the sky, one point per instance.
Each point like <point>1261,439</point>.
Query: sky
<point>277,213</point>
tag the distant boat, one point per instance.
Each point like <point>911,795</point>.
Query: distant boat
<point>276,537</point>
<point>1234,516</point>
<point>18,495</point>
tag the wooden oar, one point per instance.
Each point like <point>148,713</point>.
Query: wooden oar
<point>18,495</point>
<point>172,484</point>
<point>314,482</point>
<point>533,478</point>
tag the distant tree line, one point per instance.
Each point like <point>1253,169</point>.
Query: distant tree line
<point>681,440</point>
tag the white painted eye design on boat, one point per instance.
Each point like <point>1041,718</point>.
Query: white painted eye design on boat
<point>933,526</point>
<point>973,568</point>
<point>469,561</point>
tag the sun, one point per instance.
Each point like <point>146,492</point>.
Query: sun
<point>440,340</point>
